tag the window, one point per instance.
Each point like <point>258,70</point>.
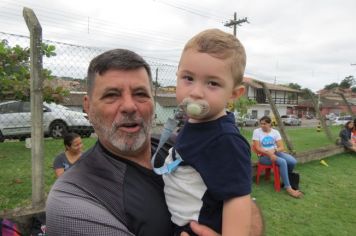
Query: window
<point>26,107</point>
<point>10,108</point>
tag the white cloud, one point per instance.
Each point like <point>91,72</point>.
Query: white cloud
<point>311,43</point>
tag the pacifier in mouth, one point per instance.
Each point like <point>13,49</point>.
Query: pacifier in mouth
<point>195,109</point>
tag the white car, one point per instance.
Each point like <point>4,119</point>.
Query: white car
<point>291,120</point>
<point>15,120</point>
<point>341,120</point>
<point>246,120</point>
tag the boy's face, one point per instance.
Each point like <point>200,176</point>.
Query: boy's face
<point>203,77</point>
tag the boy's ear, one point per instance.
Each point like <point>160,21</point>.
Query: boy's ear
<point>237,92</point>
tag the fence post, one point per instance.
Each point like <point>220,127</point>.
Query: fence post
<point>321,118</point>
<point>275,111</point>
<point>36,98</point>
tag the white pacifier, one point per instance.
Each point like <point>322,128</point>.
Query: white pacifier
<point>195,109</point>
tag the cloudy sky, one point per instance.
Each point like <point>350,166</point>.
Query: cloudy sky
<point>312,43</point>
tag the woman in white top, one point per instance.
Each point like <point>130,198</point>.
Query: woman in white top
<point>268,142</point>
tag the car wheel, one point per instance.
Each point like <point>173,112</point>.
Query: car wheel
<point>2,138</point>
<point>58,129</point>
<point>256,124</point>
<point>85,134</point>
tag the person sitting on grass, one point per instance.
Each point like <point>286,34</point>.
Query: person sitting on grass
<point>345,136</point>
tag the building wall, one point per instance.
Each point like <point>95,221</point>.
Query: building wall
<point>265,109</point>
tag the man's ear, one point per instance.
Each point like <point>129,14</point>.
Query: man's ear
<point>237,92</point>
<point>86,104</point>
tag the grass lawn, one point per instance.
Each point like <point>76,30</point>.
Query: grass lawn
<point>328,208</point>
<point>15,170</point>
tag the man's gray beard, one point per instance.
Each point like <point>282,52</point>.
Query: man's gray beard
<point>123,141</point>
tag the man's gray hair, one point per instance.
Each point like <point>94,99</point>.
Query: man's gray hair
<point>119,59</point>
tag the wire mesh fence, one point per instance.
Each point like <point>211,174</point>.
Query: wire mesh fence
<point>66,67</point>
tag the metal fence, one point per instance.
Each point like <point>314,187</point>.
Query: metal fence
<point>68,68</point>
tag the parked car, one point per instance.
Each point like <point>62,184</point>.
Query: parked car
<point>246,120</point>
<point>15,120</point>
<point>331,116</point>
<point>309,116</point>
<point>291,120</point>
<point>341,120</point>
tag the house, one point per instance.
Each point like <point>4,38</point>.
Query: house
<point>285,98</point>
<point>330,101</point>
<point>74,100</point>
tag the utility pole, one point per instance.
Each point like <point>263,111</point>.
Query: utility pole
<point>236,22</point>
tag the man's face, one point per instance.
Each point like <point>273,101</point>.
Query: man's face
<point>121,109</point>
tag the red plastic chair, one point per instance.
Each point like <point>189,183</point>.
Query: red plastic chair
<point>267,168</point>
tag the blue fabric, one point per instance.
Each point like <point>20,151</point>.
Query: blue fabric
<point>221,155</point>
<point>286,163</point>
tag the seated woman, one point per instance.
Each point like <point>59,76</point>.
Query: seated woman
<point>268,142</point>
<point>345,136</point>
<point>73,150</point>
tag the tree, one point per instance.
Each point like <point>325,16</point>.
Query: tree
<point>15,73</point>
<point>242,104</point>
<point>331,86</point>
<point>294,86</point>
<point>348,82</point>
<point>306,93</point>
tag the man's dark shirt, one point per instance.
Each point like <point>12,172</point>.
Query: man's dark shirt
<point>104,194</point>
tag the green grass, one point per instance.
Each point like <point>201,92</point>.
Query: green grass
<point>15,170</point>
<point>328,207</point>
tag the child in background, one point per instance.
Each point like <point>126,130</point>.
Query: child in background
<point>213,183</point>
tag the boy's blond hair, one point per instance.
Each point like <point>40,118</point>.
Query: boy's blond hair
<point>221,45</point>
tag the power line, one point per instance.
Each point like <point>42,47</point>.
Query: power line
<point>234,22</point>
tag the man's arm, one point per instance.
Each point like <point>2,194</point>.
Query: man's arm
<point>257,225</point>
<point>70,211</point>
